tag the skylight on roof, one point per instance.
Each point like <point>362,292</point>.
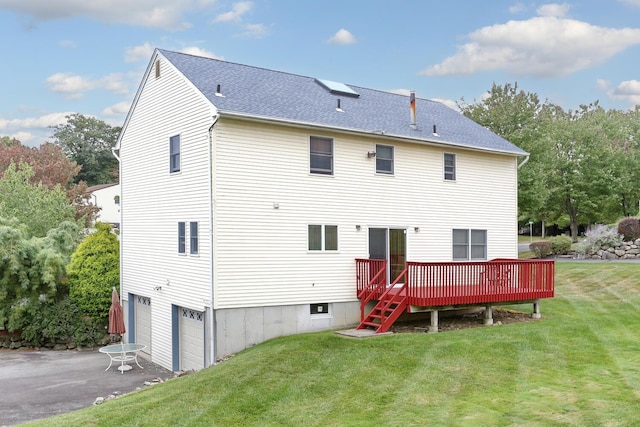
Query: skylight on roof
<point>337,88</point>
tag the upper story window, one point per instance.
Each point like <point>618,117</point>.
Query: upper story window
<point>193,238</point>
<point>449,167</point>
<point>323,237</point>
<point>384,159</point>
<point>469,244</point>
<point>321,155</point>
<point>174,154</point>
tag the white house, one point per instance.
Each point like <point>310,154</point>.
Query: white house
<point>247,195</point>
<point>107,198</point>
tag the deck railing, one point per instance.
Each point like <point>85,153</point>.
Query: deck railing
<point>461,283</point>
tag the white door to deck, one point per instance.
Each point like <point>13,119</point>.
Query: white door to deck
<point>389,244</point>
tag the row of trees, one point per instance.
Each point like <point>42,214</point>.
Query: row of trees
<point>55,283</point>
<point>584,166</point>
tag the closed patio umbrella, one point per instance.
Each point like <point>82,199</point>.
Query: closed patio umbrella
<point>116,318</point>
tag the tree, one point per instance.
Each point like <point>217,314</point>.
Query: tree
<point>583,158</point>
<point>88,141</point>
<point>31,268</point>
<point>520,118</point>
<point>93,271</point>
<point>50,168</point>
<point>37,206</point>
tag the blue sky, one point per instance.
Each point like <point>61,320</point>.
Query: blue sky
<point>67,56</point>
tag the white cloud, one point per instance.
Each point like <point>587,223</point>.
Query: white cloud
<point>194,50</point>
<point>165,14</point>
<point>68,43</point>
<point>448,102</point>
<point>255,31</point>
<point>554,9</point>
<point>541,47</point>
<point>342,37</point>
<point>32,131</point>
<point>138,53</point>
<point>74,86</point>
<point>236,13</point>
<point>517,8</point>
<point>117,110</point>
<point>405,92</point>
<point>631,2</point>
<point>628,91</point>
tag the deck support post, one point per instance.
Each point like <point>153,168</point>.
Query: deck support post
<point>433,328</point>
<point>536,309</point>
<point>488,315</point>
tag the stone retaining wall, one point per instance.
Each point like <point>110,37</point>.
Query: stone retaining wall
<point>625,250</point>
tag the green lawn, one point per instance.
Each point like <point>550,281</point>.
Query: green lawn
<point>578,366</point>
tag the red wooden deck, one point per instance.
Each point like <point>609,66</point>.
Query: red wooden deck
<point>423,286</point>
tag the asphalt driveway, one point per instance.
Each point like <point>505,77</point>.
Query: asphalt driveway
<point>41,384</point>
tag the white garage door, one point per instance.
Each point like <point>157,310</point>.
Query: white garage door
<point>191,339</point>
<point>143,322</point>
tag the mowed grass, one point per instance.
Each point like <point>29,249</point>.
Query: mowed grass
<point>578,366</point>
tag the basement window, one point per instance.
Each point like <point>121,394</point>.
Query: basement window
<point>319,308</point>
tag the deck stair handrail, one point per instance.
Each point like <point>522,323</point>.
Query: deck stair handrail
<point>391,304</point>
<point>371,279</point>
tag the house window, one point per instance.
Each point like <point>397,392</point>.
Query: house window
<point>321,155</point>
<point>469,244</point>
<point>182,242</point>
<point>116,200</point>
<point>449,167</point>
<point>323,237</point>
<point>384,159</point>
<point>193,238</point>
<point>157,68</point>
<point>320,308</point>
<point>174,154</point>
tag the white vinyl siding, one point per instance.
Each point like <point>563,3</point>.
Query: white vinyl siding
<point>155,201</point>
<point>256,239</point>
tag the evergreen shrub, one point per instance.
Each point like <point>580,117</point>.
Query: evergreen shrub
<point>93,272</point>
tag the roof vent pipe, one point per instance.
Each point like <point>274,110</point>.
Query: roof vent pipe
<point>412,105</point>
<point>435,132</point>
<point>218,93</point>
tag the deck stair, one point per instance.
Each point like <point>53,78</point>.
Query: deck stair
<point>392,303</point>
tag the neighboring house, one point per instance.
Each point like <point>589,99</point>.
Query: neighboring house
<point>247,195</point>
<point>107,198</point>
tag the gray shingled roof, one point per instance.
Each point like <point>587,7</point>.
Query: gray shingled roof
<point>275,95</point>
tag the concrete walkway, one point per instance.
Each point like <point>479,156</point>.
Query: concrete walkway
<point>41,384</point>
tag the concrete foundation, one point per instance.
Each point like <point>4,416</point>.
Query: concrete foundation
<point>240,328</point>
